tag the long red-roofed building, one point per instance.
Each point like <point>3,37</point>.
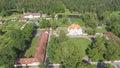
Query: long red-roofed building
<point>39,53</point>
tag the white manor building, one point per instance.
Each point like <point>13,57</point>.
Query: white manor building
<point>31,15</point>
<point>75,29</point>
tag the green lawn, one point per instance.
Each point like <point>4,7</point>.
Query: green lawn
<point>30,52</point>
<point>115,13</point>
<point>82,44</point>
<point>2,66</point>
<point>78,21</point>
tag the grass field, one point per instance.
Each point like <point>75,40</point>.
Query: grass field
<point>30,52</point>
<point>81,43</point>
<point>78,21</point>
<point>2,66</point>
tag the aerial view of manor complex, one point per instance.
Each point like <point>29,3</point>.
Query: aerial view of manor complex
<point>59,33</point>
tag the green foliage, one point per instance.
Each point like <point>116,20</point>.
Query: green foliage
<point>65,21</point>
<point>115,28</point>
<point>10,25</point>
<point>102,49</point>
<point>90,20</point>
<point>45,23</point>
<point>42,65</point>
<point>42,6</point>
<point>28,30</point>
<point>53,45</point>
<point>108,66</point>
<point>112,52</point>
<point>83,65</point>
<point>97,49</point>
<point>7,57</point>
<point>13,44</point>
<point>90,31</point>
<point>92,5</point>
<point>112,20</point>
<point>68,54</point>
<point>17,39</point>
<point>4,13</point>
<point>66,50</point>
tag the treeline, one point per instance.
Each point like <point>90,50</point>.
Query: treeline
<point>57,6</point>
<point>92,5</point>
<point>102,49</point>
<point>42,6</point>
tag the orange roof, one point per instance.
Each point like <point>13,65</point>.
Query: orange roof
<point>73,26</point>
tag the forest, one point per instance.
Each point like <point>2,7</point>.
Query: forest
<point>58,6</point>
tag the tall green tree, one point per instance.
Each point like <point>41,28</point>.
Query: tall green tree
<point>97,49</point>
<point>68,54</point>
<point>112,52</point>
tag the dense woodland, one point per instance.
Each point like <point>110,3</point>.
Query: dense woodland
<point>57,6</point>
<point>13,43</point>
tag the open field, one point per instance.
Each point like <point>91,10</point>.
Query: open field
<point>81,43</point>
<point>78,21</point>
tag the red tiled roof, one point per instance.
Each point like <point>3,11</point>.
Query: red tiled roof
<point>26,60</point>
<point>40,51</point>
<point>110,34</point>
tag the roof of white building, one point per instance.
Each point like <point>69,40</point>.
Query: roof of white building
<point>73,26</point>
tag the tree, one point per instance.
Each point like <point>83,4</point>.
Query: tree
<point>28,31</point>
<point>53,45</point>
<point>97,49</point>
<point>90,31</point>
<point>90,20</point>
<point>17,39</point>
<point>69,54</point>
<point>112,52</point>
<point>45,23</point>
<point>7,57</point>
<point>42,65</point>
<point>115,27</point>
